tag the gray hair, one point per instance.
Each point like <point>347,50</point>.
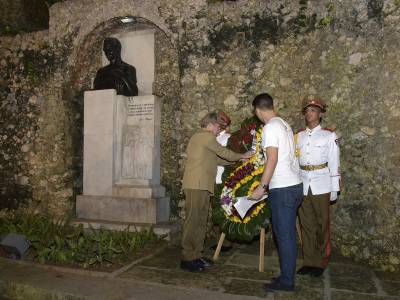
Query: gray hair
<point>211,117</point>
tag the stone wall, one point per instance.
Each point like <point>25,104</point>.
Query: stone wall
<point>23,15</point>
<point>217,54</point>
<point>36,140</point>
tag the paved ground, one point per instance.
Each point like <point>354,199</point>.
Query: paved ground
<point>235,276</point>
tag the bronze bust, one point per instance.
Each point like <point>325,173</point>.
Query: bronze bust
<point>117,74</point>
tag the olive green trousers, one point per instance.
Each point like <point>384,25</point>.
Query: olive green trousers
<point>315,229</point>
<point>197,204</point>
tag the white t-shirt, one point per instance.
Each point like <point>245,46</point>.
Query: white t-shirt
<point>277,133</point>
<point>222,139</point>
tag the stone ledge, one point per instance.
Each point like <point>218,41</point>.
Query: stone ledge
<point>123,209</point>
<point>163,228</point>
<point>126,190</point>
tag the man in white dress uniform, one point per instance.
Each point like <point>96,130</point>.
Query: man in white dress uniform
<point>318,153</point>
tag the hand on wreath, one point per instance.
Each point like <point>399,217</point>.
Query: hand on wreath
<point>247,155</point>
<point>257,193</point>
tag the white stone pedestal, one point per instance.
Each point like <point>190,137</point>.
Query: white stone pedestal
<point>121,174</point>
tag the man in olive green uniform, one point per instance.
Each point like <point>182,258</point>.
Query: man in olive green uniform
<point>204,154</point>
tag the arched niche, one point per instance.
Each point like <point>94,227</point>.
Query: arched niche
<point>87,59</point>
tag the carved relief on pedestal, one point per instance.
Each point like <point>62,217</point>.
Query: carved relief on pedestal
<point>136,153</point>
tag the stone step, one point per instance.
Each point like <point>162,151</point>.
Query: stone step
<point>123,209</point>
<point>168,229</point>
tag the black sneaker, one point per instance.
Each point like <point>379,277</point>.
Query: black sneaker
<point>317,272</point>
<point>276,286</point>
<point>305,270</point>
<point>192,265</point>
<point>206,262</point>
<point>273,279</point>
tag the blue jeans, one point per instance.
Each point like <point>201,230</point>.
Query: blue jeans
<point>284,203</point>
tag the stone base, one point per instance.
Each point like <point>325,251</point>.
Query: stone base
<point>167,229</point>
<point>137,191</point>
<point>123,209</point>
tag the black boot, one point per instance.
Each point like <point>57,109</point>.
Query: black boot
<point>305,270</point>
<point>192,265</point>
<point>206,262</point>
<point>317,272</point>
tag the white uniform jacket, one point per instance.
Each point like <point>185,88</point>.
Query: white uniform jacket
<point>315,147</point>
<point>222,139</point>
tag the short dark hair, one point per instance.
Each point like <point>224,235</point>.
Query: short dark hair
<point>263,101</point>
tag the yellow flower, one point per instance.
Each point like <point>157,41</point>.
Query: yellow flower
<point>257,161</point>
<point>236,219</point>
<point>252,187</point>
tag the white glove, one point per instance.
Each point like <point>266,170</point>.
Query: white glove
<point>333,196</point>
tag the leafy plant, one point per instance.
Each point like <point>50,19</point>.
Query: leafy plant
<point>57,241</point>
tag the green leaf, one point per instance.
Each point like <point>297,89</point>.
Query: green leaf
<point>233,231</point>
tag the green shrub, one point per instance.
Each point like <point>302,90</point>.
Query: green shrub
<point>57,241</point>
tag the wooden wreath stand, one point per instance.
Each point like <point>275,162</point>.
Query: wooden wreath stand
<point>262,246</point>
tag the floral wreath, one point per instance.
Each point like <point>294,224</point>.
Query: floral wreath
<point>241,181</point>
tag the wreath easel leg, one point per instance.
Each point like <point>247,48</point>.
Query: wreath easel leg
<point>219,246</point>
<point>262,248</point>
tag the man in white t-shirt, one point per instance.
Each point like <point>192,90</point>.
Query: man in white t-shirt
<point>281,177</point>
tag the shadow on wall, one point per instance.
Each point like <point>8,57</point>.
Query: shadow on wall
<point>19,16</point>
<point>16,196</point>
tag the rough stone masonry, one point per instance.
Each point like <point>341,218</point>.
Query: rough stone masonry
<point>209,55</point>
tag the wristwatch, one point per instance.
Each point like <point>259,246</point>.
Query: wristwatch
<point>264,186</point>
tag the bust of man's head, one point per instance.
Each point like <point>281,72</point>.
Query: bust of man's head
<point>112,49</point>
<point>118,74</point>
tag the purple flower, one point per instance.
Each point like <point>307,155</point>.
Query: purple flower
<point>225,200</point>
